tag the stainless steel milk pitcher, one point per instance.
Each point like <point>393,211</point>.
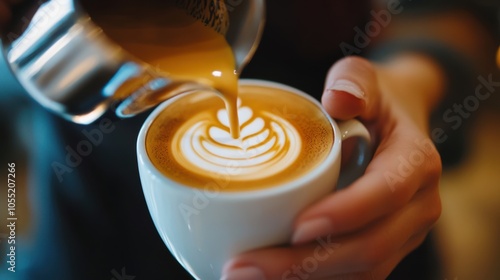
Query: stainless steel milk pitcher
<point>66,63</point>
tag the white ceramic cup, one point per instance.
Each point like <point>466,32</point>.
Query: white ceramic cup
<point>205,228</point>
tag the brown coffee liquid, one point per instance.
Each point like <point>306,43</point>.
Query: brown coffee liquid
<point>180,42</point>
<point>284,137</point>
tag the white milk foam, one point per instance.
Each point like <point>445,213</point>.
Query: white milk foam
<point>268,144</point>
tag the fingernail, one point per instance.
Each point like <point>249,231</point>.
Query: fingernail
<point>349,87</point>
<point>310,230</point>
<point>244,273</point>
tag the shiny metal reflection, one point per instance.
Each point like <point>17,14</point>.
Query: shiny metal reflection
<point>68,65</point>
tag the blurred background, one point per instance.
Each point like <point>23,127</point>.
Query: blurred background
<point>469,227</point>
<point>467,232</point>
<point>16,132</point>
<point>16,136</point>
<point>14,127</point>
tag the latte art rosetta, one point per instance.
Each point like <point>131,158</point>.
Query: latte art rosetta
<point>268,144</point>
<point>283,137</point>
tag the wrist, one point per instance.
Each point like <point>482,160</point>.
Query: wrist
<point>413,82</point>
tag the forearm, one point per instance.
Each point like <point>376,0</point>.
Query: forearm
<point>460,30</point>
<point>414,81</point>
<point>440,56</point>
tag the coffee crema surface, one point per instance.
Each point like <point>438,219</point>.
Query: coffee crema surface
<point>283,136</point>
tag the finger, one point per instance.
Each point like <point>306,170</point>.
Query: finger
<point>397,171</point>
<point>384,270</point>
<point>366,251</point>
<point>351,89</point>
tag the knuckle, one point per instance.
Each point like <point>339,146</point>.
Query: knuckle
<point>434,163</point>
<point>402,195</point>
<point>434,209</point>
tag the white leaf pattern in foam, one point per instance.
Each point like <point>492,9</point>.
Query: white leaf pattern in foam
<point>268,145</point>
<point>244,114</point>
<point>255,139</point>
<point>222,136</point>
<point>253,127</point>
<point>258,155</point>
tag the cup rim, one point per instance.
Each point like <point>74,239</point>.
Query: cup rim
<point>333,155</point>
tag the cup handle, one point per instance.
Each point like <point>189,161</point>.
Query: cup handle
<point>356,165</point>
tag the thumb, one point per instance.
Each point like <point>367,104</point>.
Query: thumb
<point>351,89</point>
